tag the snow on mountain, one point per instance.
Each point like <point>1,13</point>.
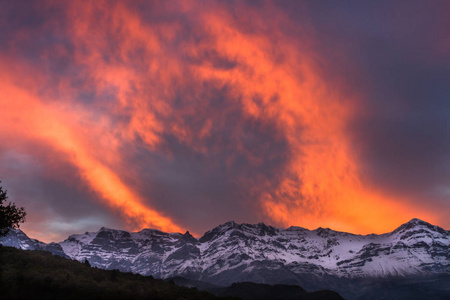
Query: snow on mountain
<point>243,252</point>
<point>18,239</point>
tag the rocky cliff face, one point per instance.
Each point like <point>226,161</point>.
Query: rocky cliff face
<point>259,253</point>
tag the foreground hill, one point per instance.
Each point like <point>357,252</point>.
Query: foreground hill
<point>414,253</point>
<point>255,291</point>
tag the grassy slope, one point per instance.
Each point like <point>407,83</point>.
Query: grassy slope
<point>40,275</point>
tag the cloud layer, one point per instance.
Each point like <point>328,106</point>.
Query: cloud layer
<point>183,115</point>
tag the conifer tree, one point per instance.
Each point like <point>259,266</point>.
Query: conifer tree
<point>10,215</point>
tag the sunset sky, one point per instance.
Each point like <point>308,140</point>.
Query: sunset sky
<point>182,115</point>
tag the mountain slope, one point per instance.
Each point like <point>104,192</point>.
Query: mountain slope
<point>314,259</point>
<point>414,248</point>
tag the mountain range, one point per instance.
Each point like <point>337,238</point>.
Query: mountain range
<point>414,256</point>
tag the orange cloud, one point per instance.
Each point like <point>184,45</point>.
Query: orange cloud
<point>150,66</point>
<point>322,185</point>
<point>32,121</point>
<point>275,78</point>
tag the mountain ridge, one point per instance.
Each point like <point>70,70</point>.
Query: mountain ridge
<point>260,253</point>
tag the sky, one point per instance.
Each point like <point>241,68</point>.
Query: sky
<point>183,115</point>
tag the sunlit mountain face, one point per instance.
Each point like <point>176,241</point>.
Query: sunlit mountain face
<point>188,114</point>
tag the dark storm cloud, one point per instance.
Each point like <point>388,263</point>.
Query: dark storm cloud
<point>212,183</point>
<point>55,205</point>
<point>241,159</point>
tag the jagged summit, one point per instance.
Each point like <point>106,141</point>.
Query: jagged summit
<point>230,225</point>
<point>416,221</point>
<point>108,229</point>
<point>418,224</point>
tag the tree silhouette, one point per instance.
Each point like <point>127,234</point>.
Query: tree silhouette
<point>86,262</point>
<point>10,215</point>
